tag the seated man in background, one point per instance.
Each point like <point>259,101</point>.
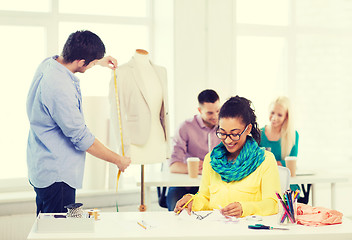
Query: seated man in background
<point>194,138</point>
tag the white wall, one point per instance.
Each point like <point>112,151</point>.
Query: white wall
<point>190,56</point>
<point>204,50</point>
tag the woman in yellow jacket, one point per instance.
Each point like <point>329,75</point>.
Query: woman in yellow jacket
<point>238,177</point>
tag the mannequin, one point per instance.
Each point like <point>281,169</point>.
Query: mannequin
<point>142,52</point>
<point>155,146</point>
<point>143,103</point>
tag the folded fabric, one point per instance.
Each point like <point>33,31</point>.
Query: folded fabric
<point>317,216</point>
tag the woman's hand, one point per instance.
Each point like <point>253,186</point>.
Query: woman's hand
<point>233,210</point>
<point>108,61</point>
<point>182,202</point>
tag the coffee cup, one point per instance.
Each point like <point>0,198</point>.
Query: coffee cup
<point>291,163</point>
<point>193,166</point>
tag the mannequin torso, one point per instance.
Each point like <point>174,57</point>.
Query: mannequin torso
<point>154,151</point>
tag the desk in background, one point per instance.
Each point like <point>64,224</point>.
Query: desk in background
<point>123,226</point>
<point>166,179</point>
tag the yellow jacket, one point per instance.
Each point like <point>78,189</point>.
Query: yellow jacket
<point>256,192</point>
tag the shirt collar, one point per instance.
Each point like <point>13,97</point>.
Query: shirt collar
<point>202,124</point>
<point>63,68</point>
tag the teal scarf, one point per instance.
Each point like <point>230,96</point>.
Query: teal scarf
<point>250,157</point>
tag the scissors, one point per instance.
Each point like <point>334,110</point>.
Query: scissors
<point>261,226</point>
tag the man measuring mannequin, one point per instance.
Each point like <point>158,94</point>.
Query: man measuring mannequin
<point>58,136</point>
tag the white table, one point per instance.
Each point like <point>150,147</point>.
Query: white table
<point>313,179</point>
<point>165,225</point>
<point>166,179</point>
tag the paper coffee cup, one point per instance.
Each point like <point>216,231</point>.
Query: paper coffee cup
<point>193,166</point>
<point>291,163</point>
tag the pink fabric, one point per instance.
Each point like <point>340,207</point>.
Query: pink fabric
<point>317,216</point>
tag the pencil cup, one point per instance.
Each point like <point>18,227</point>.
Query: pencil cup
<point>284,218</point>
<point>193,166</point>
<point>291,163</point>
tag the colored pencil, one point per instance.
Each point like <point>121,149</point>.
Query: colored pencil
<point>140,224</point>
<point>284,206</point>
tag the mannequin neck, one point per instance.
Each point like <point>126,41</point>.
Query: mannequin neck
<point>141,58</point>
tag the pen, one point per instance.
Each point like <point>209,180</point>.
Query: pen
<point>284,207</point>
<point>140,224</point>
<point>186,204</point>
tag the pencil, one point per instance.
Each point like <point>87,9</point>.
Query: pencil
<point>296,193</point>
<point>186,204</point>
<point>283,205</point>
<point>291,205</point>
<point>287,196</point>
<point>140,224</point>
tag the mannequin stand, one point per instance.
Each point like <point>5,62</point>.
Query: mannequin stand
<point>142,207</point>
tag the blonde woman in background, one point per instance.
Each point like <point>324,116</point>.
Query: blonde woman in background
<point>279,136</point>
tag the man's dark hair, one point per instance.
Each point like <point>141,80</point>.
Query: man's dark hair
<point>83,45</point>
<point>208,95</point>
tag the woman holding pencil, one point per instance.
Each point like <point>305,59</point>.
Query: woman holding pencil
<point>238,177</point>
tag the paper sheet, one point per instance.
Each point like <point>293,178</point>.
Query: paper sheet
<point>206,216</point>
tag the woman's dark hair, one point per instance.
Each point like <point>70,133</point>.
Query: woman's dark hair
<point>240,107</point>
<point>83,45</point>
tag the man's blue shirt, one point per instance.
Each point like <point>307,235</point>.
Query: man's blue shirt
<point>58,136</point>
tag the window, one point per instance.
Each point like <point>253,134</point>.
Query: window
<point>301,49</point>
<point>34,35</point>
<point>26,6</point>
<point>267,55</point>
<point>269,12</point>
<point>22,50</point>
<point>122,8</point>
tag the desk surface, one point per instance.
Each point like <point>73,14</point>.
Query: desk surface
<point>166,225</point>
<point>167,179</point>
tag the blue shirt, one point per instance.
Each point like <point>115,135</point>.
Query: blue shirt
<point>58,136</point>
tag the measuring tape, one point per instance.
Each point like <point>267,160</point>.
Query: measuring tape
<point>120,124</point>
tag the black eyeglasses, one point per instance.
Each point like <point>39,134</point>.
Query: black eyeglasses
<point>233,137</point>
